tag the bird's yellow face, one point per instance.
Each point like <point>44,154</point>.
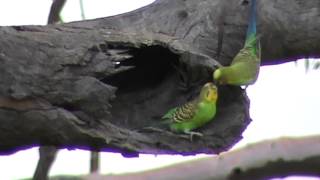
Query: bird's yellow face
<point>209,92</point>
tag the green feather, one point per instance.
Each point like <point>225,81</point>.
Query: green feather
<point>169,114</point>
<point>244,68</point>
<point>194,114</point>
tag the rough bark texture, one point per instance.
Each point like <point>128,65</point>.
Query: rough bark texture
<point>95,84</point>
<point>47,154</point>
<point>265,160</point>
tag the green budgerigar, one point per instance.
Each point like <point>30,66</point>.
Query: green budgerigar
<point>194,114</point>
<point>244,68</point>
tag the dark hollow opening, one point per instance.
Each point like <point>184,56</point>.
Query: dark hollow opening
<point>149,90</point>
<point>152,66</point>
<point>161,80</point>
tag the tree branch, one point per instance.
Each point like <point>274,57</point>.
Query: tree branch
<point>55,10</point>
<point>95,84</point>
<point>289,28</point>
<point>268,159</point>
<point>97,90</point>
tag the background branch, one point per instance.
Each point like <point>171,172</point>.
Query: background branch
<point>264,160</point>
<point>55,10</point>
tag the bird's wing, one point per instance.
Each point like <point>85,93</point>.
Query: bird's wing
<point>185,112</point>
<point>259,49</point>
<point>244,56</point>
<point>169,114</point>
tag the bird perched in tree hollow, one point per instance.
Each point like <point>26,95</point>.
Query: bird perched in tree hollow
<point>244,68</point>
<point>194,114</point>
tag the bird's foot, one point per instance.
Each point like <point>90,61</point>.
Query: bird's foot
<point>192,133</point>
<point>189,134</point>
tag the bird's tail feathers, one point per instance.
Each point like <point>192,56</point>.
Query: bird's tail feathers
<point>253,43</point>
<point>250,41</point>
<point>252,26</point>
<point>253,40</point>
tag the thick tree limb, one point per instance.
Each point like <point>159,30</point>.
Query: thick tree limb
<point>47,154</point>
<point>62,94</point>
<point>260,161</point>
<point>95,84</point>
<point>289,28</point>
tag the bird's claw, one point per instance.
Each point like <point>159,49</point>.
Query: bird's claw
<point>192,133</point>
<point>189,135</point>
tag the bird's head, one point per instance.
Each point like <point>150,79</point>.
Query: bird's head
<point>218,77</point>
<point>209,92</point>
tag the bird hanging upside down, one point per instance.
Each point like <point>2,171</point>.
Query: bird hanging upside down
<point>244,68</point>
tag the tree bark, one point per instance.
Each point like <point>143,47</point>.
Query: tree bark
<point>96,84</point>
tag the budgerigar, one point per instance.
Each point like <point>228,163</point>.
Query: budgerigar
<point>245,66</point>
<point>194,114</point>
